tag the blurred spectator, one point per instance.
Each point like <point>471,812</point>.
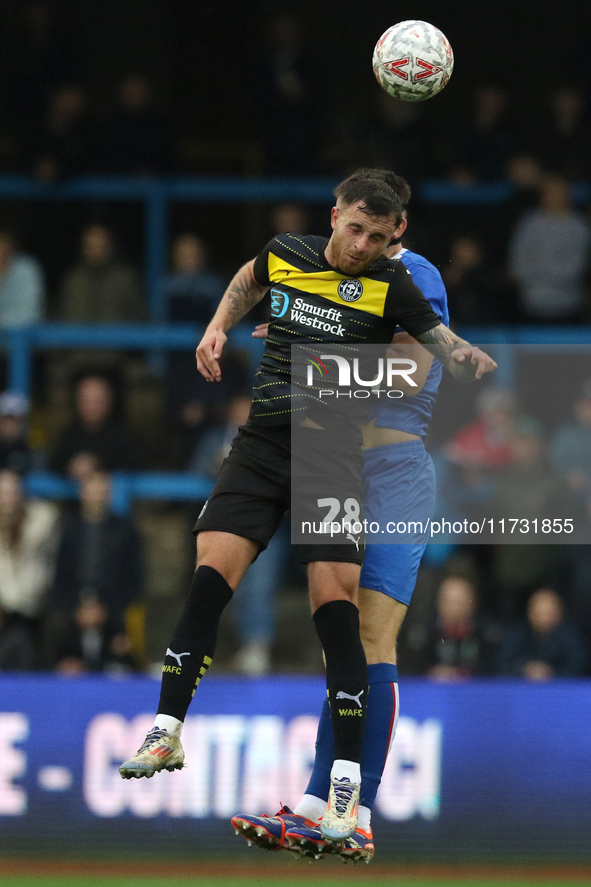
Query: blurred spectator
<point>28,538</point>
<point>526,175</point>
<point>572,580</point>
<point>61,147</point>
<point>196,408</point>
<point>15,453</point>
<point>188,424</point>
<point>397,136</point>
<point>458,643</point>
<point>570,451</point>
<point>17,650</point>
<point>287,98</point>
<point>481,149</point>
<point>546,646</point>
<point>477,291</point>
<point>100,288</point>
<point>290,217</point>
<point>215,444</point>
<point>486,442</point>
<point>468,463</point>
<point>253,606</point>
<point>99,561</point>
<point>192,292</point>
<point>562,138</point>
<point>22,285</point>
<point>528,489</point>
<point>40,58</point>
<point>549,255</point>
<point>135,138</point>
<point>88,645</point>
<point>95,440</point>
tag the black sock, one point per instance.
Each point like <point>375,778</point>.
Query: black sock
<point>193,643</point>
<point>337,625</point>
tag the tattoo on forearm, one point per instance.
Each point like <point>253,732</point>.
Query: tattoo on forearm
<point>441,335</point>
<point>242,294</point>
<point>441,343</point>
<point>239,301</point>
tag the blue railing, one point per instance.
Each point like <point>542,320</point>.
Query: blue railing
<point>171,486</point>
<point>500,339</point>
<point>126,487</point>
<point>21,344</point>
<point>157,194</point>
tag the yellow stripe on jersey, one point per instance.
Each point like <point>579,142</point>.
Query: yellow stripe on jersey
<point>325,284</point>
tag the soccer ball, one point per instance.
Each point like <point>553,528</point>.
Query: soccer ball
<point>413,61</point>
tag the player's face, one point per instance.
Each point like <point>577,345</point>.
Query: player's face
<point>357,238</point>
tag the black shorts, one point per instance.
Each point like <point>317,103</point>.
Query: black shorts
<point>254,490</point>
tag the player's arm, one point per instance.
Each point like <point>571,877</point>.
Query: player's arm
<point>406,304</point>
<point>464,361</point>
<point>242,294</point>
<point>423,359</point>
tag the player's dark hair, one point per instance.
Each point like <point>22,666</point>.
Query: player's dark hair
<point>399,185</point>
<point>378,197</point>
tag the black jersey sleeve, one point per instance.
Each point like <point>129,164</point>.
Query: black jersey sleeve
<point>261,265</point>
<point>407,306</point>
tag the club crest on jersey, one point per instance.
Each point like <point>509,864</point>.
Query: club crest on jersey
<point>350,290</point>
<point>279,303</point>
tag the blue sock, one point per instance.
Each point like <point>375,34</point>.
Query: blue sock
<point>380,723</point>
<point>380,717</point>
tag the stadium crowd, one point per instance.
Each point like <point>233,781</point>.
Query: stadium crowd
<point>80,589</point>
<point>72,578</point>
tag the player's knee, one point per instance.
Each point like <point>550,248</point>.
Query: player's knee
<point>371,637</point>
<point>378,648</point>
<point>378,637</point>
<point>226,569</point>
<point>333,581</point>
<point>229,555</point>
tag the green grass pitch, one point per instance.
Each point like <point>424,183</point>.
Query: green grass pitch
<point>357,877</point>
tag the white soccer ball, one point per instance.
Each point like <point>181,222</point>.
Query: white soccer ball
<point>413,61</point>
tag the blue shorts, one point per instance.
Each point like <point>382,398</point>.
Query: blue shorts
<point>399,488</point>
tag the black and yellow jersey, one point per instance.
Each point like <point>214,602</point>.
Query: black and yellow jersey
<point>314,304</point>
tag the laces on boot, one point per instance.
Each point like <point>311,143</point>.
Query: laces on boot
<point>343,789</point>
<point>156,734</point>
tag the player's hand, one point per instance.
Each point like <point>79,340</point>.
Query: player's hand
<point>209,350</point>
<point>482,362</point>
<point>261,331</point>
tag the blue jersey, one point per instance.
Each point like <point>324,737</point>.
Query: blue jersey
<point>413,414</point>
